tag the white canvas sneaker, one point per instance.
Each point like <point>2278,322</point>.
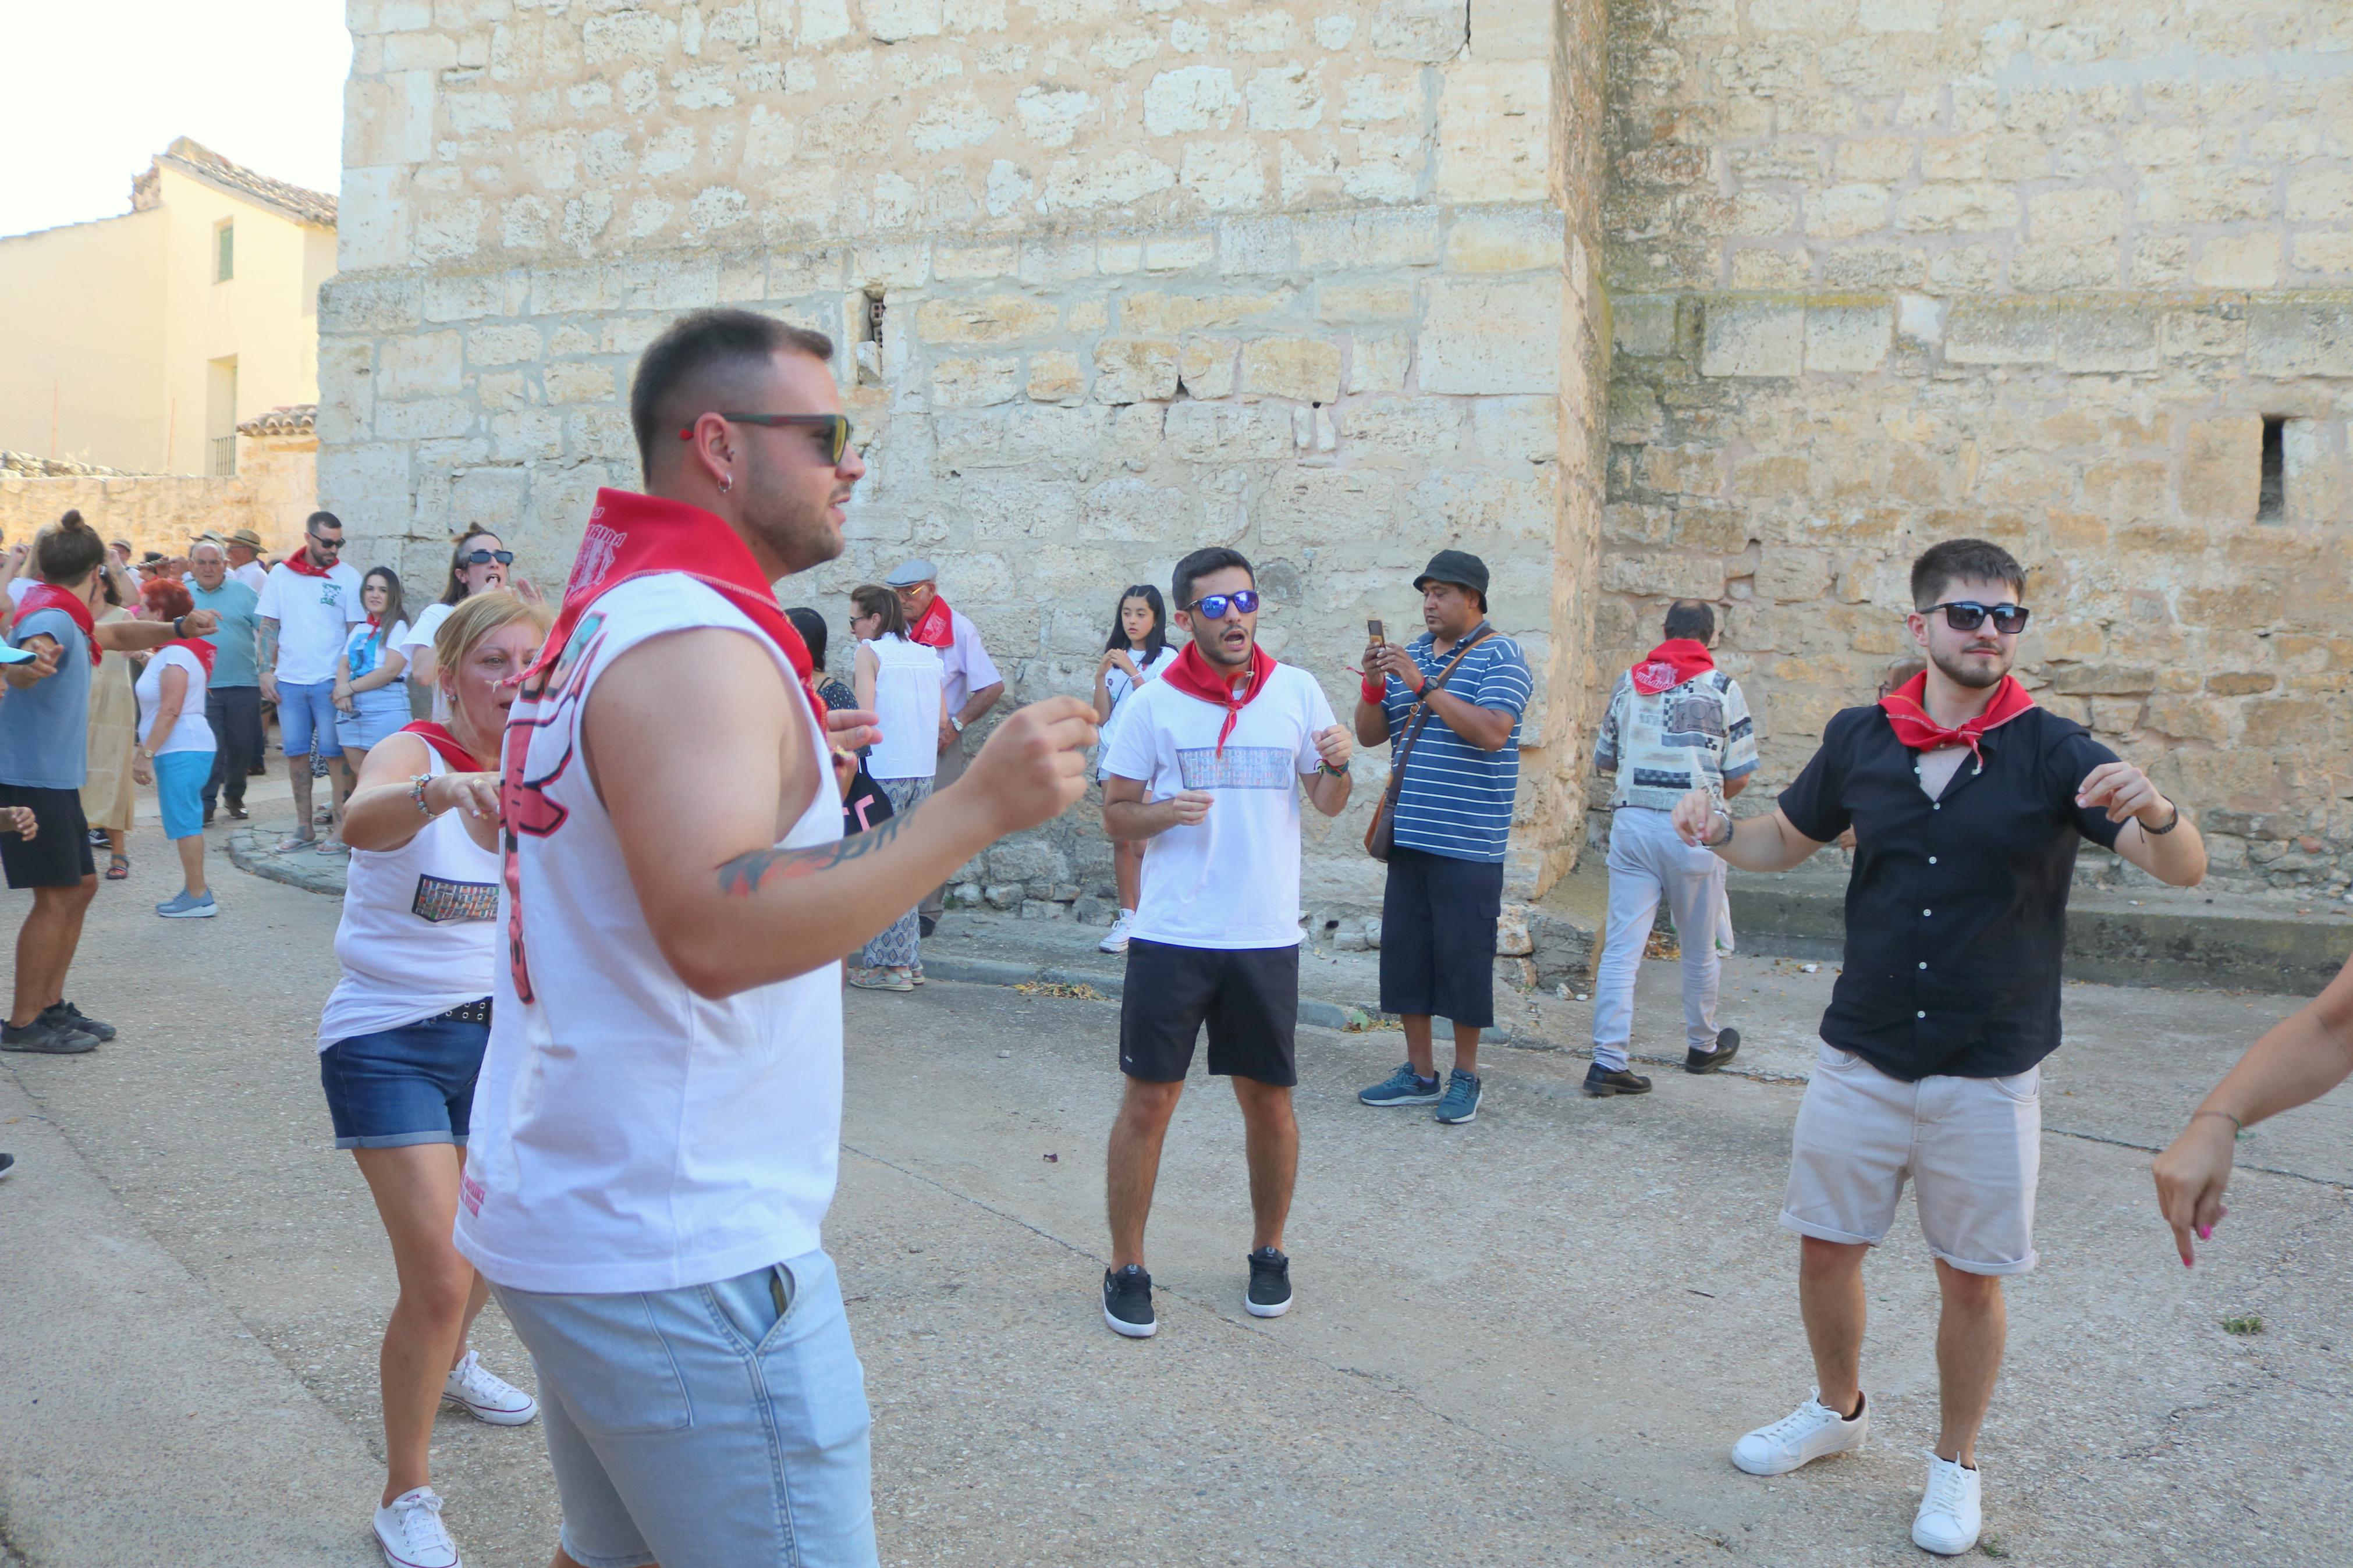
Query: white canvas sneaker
<point>490,1398</point>
<point>409,1532</point>
<point>1808,1433</point>
<point>1115,940</point>
<point>1950,1513</point>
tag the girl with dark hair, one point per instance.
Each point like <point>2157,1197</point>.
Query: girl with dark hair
<point>1136,652</point>
<point>814,632</point>
<point>904,682</point>
<point>176,743</point>
<point>478,563</point>
<point>369,701</point>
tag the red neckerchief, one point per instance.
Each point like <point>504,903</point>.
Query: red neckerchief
<point>453,751</point>
<point>1192,675</point>
<point>1907,711</point>
<point>935,627</point>
<point>631,536</point>
<point>1670,664</point>
<point>299,563</point>
<point>49,596</point>
<point>200,648</point>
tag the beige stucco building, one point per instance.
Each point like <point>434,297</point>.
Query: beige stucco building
<point>140,342</point>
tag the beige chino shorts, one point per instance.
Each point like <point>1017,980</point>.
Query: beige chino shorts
<point>1972,1148</point>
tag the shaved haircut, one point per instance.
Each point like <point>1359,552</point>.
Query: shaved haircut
<point>711,361</point>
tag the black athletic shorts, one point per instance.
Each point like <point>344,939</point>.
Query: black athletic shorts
<point>1248,995</point>
<point>1437,937</point>
<point>59,856</point>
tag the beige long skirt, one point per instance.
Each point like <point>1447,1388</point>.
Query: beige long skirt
<point>108,797</point>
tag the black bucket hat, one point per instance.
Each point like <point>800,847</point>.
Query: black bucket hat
<point>1459,567</point>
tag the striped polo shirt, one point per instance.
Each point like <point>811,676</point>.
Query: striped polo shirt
<point>1457,799</point>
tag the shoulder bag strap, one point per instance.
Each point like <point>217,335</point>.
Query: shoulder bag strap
<point>1421,710</point>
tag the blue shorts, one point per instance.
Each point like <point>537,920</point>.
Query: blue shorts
<point>306,716</point>
<point>398,1087</point>
<point>710,1426</point>
<point>180,791</point>
<point>376,720</point>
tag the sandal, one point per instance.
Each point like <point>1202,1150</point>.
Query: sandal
<point>118,867</point>
<point>295,846</point>
<point>331,844</point>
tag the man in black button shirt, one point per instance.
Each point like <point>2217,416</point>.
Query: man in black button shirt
<point>1966,801</point>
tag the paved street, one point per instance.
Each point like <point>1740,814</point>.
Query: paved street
<point>1528,1340</point>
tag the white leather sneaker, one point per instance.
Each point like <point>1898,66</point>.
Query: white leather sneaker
<point>1950,1513</point>
<point>1115,940</point>
<point>1808,1433</point>
<point>409,1532</point>
<point>489,1397</point>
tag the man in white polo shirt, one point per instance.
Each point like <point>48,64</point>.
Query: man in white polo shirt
<point>1209,763</point>
<point>972,688</point>
<point>309,603</point>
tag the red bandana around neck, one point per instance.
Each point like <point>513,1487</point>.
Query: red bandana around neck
<point>1907,711</point>
<point>49,596</point>
<point>1670,664</point>
<point>1194,676</point>
<point>631,536</point>
<point>453,751</point>
<point>299,563</point>
<point>935,627</point>
<point>203,650</point>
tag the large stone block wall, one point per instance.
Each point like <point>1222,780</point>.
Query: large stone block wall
<point>1886,271</point>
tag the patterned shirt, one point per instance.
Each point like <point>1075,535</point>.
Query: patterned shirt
<point>1688,737</point>
<point>1457,799</point>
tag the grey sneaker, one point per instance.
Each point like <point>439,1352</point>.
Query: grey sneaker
<point>1403,1086</point>
<point>66,1015</point>
<point>41,1037</point>
<point>187,906</point>
<point>1462,1101</point>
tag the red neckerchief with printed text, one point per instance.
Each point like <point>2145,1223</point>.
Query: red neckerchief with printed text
<point>49,596</point>
<point>1670,664</point>
<point>1194,676</point>
<point>453,751</point>
<point>1907,710</point>
<point>935,627</point>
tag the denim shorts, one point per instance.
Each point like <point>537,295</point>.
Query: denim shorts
<point>374,722</point>
<point>180,791</point>
<point>717,1426</point>
<point>410,1085</point>
<point>306,718</point>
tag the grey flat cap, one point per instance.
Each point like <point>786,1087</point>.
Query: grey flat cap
<point>908,573</point>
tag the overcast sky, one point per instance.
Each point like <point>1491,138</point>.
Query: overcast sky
<point>97,87</point>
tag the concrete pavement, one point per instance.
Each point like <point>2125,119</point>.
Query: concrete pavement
<point>1528,1340</point>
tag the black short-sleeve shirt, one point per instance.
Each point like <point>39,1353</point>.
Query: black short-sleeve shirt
<point>1956,911</point>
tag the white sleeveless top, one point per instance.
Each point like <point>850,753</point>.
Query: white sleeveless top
<point>907,697</point>
<point>627,1135</point>
<point>419,933</point>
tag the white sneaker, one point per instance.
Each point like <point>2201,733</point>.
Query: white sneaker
<point>491,1398</point>
<point>1808,1433</point>
<point>409,1532</point>
<point>1950,1515</point>
<point>1115,940</point>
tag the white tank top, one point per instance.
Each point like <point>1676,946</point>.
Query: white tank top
<point>907,697</point>
<point>419,933</point>
<point>627,1135</point>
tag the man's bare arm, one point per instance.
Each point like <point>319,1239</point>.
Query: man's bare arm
<point>1758,843</point>
<point>980,702</point>
<point>1127,815</point>
<point>138,636</point>
<point>1734,787</point>
<point>697,825</point>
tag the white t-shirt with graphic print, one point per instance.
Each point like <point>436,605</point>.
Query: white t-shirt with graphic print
<point>1233,880</point>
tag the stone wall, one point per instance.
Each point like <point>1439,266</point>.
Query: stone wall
<point>1291,277</point>
<point>273,491</point>
<point>1887,271</point>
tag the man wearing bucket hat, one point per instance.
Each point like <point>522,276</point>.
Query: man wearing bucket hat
<point>971,687</point>
<point>1448,703</point>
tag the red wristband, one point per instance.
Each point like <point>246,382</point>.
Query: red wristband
<point>1373,690</point>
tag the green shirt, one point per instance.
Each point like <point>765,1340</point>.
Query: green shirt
<point>234,660</point>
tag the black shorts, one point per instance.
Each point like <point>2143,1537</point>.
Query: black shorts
<point>59,856</point>
<point>1437,937</point>
<point>1248,995</point>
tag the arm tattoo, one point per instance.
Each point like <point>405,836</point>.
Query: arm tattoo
<point>741,876</point>
<point>266,653</point>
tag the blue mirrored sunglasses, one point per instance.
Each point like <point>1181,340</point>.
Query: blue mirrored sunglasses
<point>1213,606</point>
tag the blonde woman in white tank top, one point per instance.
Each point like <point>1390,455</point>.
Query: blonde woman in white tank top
<point>904,683</point>
<point>402,1038</point>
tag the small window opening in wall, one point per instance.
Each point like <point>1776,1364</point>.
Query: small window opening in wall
<point>868,350</point>
<point>871,328</point>
<point>2270,498</point>
<point>223,252</point>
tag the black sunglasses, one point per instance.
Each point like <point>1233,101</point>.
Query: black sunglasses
<point>484,557</point>
<point>326,543</point>
<point>833,429</point>
<point>1213,607</point>
<point>1967,615</point>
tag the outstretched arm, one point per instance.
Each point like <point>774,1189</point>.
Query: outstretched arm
<point>1754,844</point>
<point>2176,857</point>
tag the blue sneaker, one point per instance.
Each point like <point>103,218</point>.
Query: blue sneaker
<point>1403,1086</point>
<point>188,907</point>
<point>1462,1101</point>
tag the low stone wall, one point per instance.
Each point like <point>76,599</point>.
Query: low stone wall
<point>275,489</point>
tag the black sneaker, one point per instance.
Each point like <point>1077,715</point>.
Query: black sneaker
<point>42,1037</point>
<point>1127,1302</point>
<point>66,1015</point>
<point>1601,1082</point>
<point>926,924</point>
<point>1727,1046</point>
<point>1269,1288</point>
<point>7,1163</point>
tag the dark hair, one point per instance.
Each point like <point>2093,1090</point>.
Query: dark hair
<point>1200,564</point>
<point>1689,618</point>
<point>701,360</point>
<point>882,602</point>
<point>811,626</point>
<point>166,597</point>
<point>1957,560</point>
<point>1899,673</point>
<point>455,590</point>
<point>313,522</point>
<point>394,611</point>
<point>1154,640</point>
<point>68,550</point>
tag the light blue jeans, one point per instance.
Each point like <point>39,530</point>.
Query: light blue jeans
<point>719,1425</point>
<point>1647,863</point>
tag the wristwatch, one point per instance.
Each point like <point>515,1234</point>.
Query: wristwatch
<point>1729,827</point>
<point>955,723</point>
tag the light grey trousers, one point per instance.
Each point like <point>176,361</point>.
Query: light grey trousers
<point>1647,862</point>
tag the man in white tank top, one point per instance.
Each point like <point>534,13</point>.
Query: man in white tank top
<point>657,1122</point>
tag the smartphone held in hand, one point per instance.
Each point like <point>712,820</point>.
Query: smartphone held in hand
<point>1373,630</point>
